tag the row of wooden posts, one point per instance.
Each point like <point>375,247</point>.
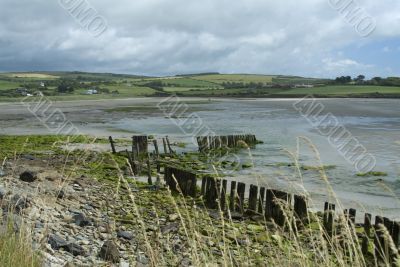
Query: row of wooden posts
<point>140,145</point>
<point>272,204</point>
<point>231,141</point>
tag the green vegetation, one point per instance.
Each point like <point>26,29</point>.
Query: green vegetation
<point>372,173</point>
<point>16,248</point>
<point>72,86</point>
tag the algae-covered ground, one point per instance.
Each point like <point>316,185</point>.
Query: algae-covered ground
<point>166,228</point>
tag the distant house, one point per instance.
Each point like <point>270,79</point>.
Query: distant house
<point>42,84</point>
<point>91,92</point>
<point>303,86</point>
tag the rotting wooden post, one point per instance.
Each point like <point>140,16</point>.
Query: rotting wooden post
<point>261,200</point>
<point>364,244</point>
<point>388,224</point>
<point>367,224</point>
<point>300,208</point>
<point>396,233</point>
<point>169,145</point>
<point>269,198</point>
<point>223,194</point>
<point>241,189</point>
<point>352,216</point>
<point>112,145</point>
<point>149,180</point>
<point>156,147</point>
<point>379,241</point>
<point>191,185</point>
<point>212,196</point>
<point>165,146</point>
<point>280,199</point>
<point>203,186</point>
<point>232,196</point>
<point>253,196</point>
<point>329,218</point>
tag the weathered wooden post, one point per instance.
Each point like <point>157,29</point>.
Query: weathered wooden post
<point>367,224</point>
<point>329,213</point>
<point>131,162</point>
<point>223,194</point>
<point>379,239</point>
<point>112,144</point>
<point>300,208</point>
<point>396,233</point>
<point>352,216</point>
<point>203,186</point>
<point>269,198</point>
<point>241,189</point>
<point>149,180</point>
<point>169,145</point>
<point>156,147</point>
<point>261,200</point>
<point>232,196</point>
<point>280,199</point>
<point>165,146</point>
<point>253,196</point>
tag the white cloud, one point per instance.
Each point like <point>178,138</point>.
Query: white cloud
<point>181,36</point>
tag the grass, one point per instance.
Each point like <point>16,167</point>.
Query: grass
<point>372,173</point>
<point>16,249</point>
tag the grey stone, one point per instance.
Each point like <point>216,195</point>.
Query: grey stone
<point>56,242</point>
<point>125,235</point>
<point>28,176</point>
<point>171,227</point>
<point>2,172</point>
<point>109,252</point>
<point>81,220</point>
<point>75,249</point>
<point>2,192</point>
<point>19,202</point>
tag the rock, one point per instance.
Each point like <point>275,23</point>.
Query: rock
<point>125,235</point>
<point>19,202</point>
<point>172,227</point>
<point>56,242</point>
<point>2,192</point>
<point>81,220</point>
<point>142,259</point>
<point>109,251</point>
<point>60,194</point>
<point>28,176</point>
<point>173,217</point>
<point>75,249</point>
<point>28,157</point>
<point>2,172</point>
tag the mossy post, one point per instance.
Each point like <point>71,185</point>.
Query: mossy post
<point>223,194</point>
<point>169,145</point>
<point>112,144</point>
<point>156,147</point>
<point>281,199</point>
<point>261,200</point>
<point>352,216</point>
<point>149,180</point>
<point>269,198</point>
<point>241,189</point>
<point>203,186</point>
<point>300,208</point>
<point>367,224</point>
<point>379,239</point>
<point>232,196</point>
<point>253,197</point>
<point>165,146</point>
<point>131,162</point>
<point>396,233</point>
<point>329,213</point>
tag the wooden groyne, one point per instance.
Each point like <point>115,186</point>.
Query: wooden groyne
<point>283,208</point>
<point>231,141</point>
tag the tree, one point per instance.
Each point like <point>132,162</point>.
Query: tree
<point>66,86</point>
<point>359,79</point>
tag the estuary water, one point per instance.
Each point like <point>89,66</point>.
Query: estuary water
<point>374,123</point>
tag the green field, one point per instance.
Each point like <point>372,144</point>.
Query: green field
<point>202,85</point>
<point>344,90</point>
<point>244,78</point>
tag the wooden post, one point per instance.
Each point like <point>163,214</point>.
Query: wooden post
<point>396,233</point>
<point>352,216</point>
<point>364,244</point>
<point>329,214</point>
<point>149,180</point>
<point>367,224</point>
<point>212,194</point>
<point>241,189</point>
<point>278,208</point>
<point>379,241</point>
<point>232,196</point>
<point>165,146</point>
<point>169,145</point>
<point>156,147</point>
<point>300,208</point>
<point>261,200</point>
<point>223,194</point>
<point>131,162</point>
<point>269,198</point>
<point>203,186</point>
<point>253,195</point>
<point>112,144</point>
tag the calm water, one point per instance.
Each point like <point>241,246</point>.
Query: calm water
<point>375,123</point>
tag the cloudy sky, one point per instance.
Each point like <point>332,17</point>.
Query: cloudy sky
<point>160,37</point>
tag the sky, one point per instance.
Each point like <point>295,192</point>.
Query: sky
<point>311,38</point>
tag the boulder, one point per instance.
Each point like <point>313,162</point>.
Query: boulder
<point>28,176</point>
<point>56,242</point>
<point>109,252</point>
<point>125,235</point>
<point>18,203</point>
<point>81,220</point>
